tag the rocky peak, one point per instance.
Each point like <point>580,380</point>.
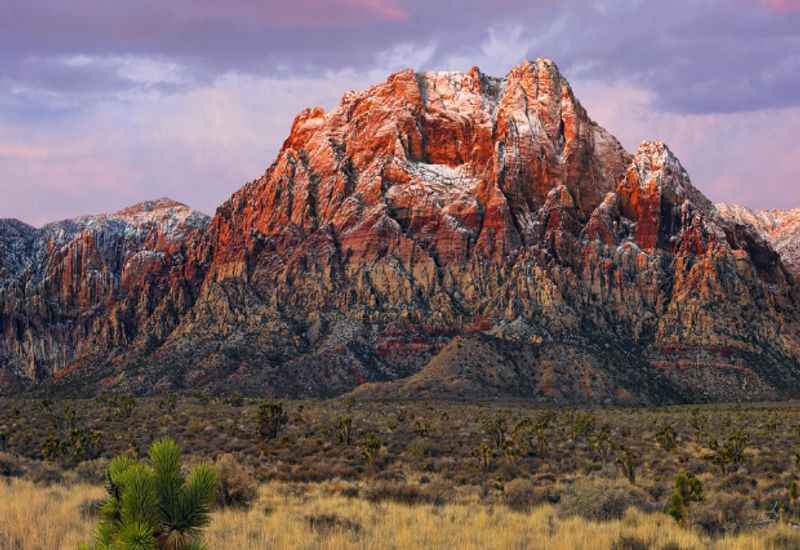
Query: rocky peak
<point>657,166</point>
<point>781,228</point>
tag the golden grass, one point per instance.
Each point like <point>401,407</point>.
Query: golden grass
<point>33,517</point>
<point>39,518</point>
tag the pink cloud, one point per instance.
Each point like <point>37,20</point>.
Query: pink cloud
<point>22,152</point>
<point>781,6</point>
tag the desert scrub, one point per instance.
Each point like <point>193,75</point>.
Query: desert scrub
<point>235,484</point>
<point>601,499</point>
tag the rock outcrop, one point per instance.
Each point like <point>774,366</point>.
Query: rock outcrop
<point>437,235</point>
<point>780,227</point>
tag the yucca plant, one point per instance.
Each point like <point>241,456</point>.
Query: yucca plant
<point>153,505</point>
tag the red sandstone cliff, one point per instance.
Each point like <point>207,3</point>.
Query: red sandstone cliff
<point>443,235</point>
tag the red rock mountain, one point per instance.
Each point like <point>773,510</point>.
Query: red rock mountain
<point>437,235</point>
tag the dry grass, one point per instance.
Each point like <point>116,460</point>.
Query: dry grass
<point>44,518</point>
<point>315,517</point>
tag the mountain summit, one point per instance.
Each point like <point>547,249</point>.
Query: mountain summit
<point>444,235</point>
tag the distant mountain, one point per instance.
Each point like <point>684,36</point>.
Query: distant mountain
<point>87,290</point>
<point>780,227</point>
<point>447,235</point>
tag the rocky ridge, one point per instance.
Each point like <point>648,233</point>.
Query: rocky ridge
<point>437,235</point>
<point>780,227</point>
<point>94,286</point>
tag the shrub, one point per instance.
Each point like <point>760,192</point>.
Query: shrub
<point>235,485</point>
<point>629,542</point>
<point>722,514</point>
<point>404,493</point>
<point>152,505</point>
<point>9,466</point>
<point>326,523</point>
<point>601,500</point>
<point>520,495</point>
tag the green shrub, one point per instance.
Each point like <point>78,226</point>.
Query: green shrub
<point>152,505</point>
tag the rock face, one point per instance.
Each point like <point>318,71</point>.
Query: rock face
<point>438,235</point>
<point>781,228</point>
<point>82,290</point>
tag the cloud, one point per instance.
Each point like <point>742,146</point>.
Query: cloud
<point>192,98</point>
<point>709,56</point>
<point>197,145</point>
<point>782,6</point>
<point>21,152</point>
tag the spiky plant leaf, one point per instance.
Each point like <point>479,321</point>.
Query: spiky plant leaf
<point>139,503</point>
<point>117,468</point>
<point>104,533</point>
<point>165,455</point>
<point>196,499</point>
<point>136,536</point>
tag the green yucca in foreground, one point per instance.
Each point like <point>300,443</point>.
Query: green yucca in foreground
<point>152,505</point>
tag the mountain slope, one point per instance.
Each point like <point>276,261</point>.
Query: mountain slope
<point>449,235</point>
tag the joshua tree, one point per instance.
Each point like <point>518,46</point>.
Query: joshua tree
<point>601,444</point>
<point>666,438</point>
<point>582,425</point>
<point>496,428</point>
<point>484,454</point>
<point>698,422</point>
<point>688,489</point>
<point>371,447</point>
<point>271,419</point>
<point>628,463</point>
<point>152,505</point>
<point>730,453</point>
<point>344,428</point>
<point>422,428</point>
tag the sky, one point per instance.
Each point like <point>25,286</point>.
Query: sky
<point>104,104</point>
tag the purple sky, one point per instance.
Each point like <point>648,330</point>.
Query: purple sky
<point>103,104</point>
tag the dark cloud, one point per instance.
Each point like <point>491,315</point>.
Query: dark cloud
<point>710,56</point>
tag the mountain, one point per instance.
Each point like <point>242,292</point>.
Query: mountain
<point>85,290</point>
<point>780,227</point>
<point>447,235</point>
